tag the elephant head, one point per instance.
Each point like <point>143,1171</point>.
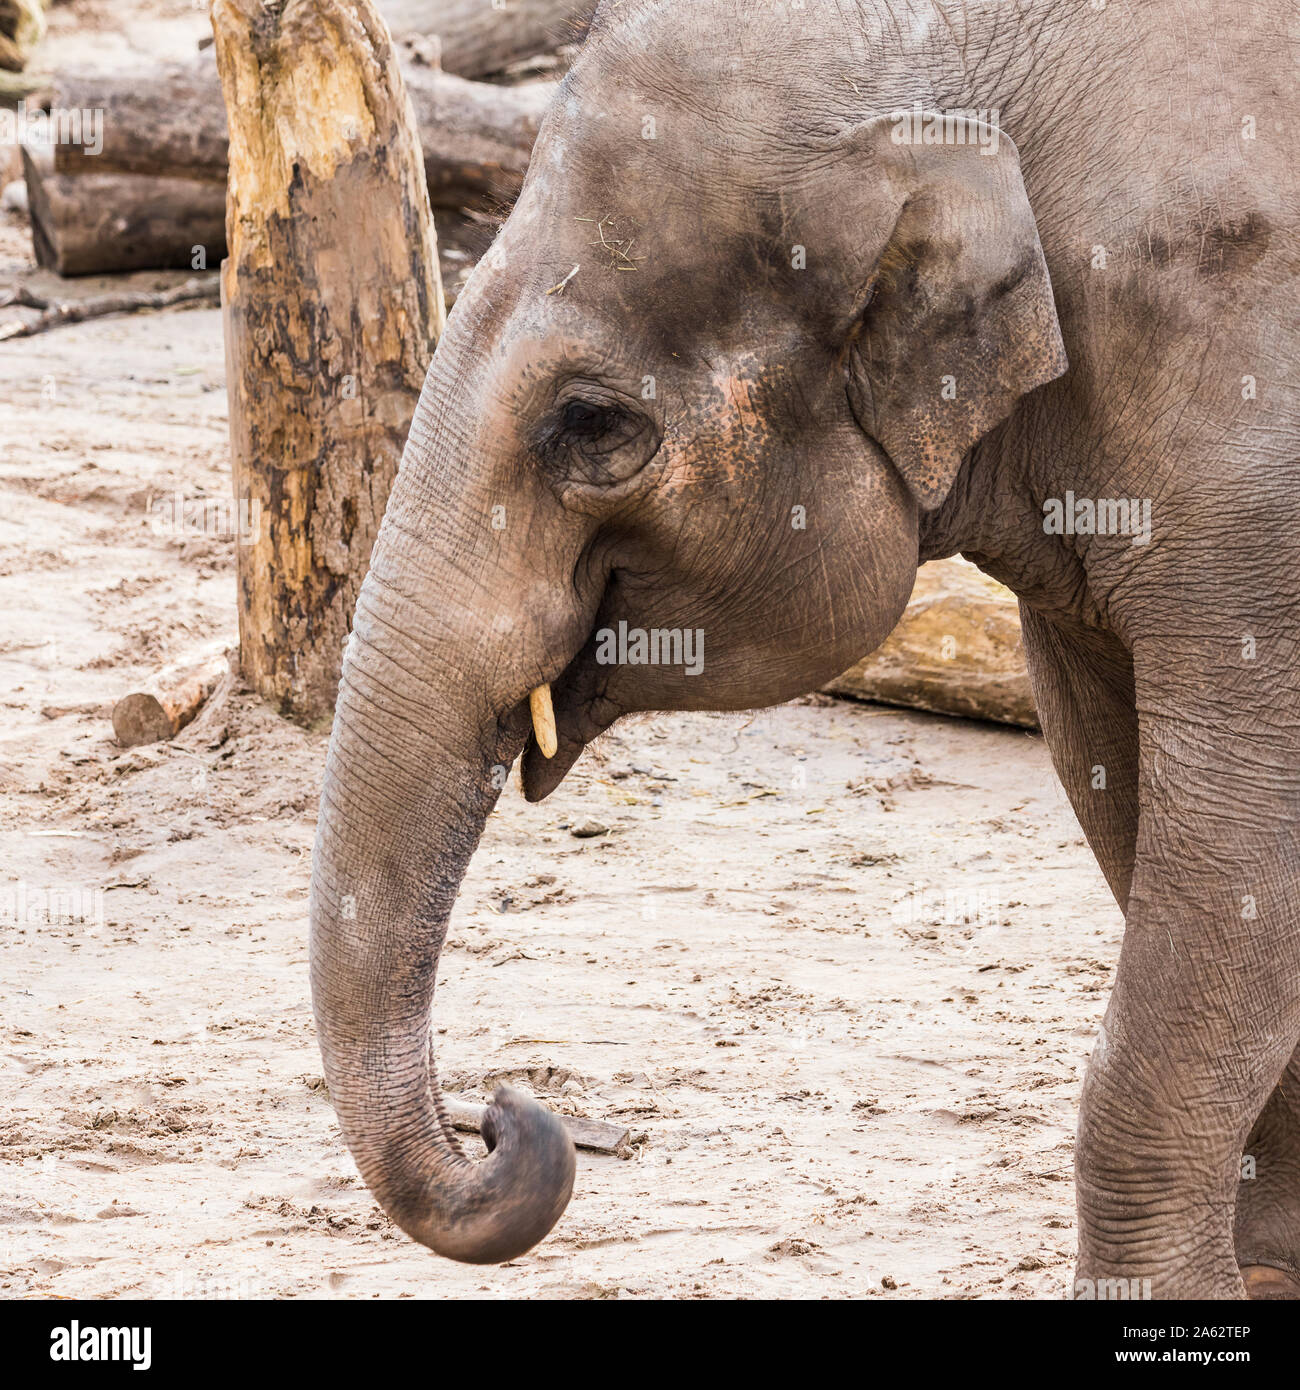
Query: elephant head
<point>721,357</point>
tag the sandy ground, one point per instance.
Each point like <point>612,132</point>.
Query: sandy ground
<point>838,967</point>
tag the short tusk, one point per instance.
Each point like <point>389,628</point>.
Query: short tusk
<point>543,712</point>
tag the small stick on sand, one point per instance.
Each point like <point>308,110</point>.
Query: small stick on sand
<point>56,312</point>
<point>596,1135</point>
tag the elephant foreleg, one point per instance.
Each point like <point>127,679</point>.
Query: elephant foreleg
<point>1085,699</point>
<point>1206,1010</point>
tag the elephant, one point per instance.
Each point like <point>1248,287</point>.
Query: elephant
<point>793,300</point>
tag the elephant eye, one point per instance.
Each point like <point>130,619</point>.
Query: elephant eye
<point>595,442</point>
<point>583,420</point>
<point>588,428</point>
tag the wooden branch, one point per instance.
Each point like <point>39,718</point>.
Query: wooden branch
<point>57,312</point>
<point>596,1135</point>
<point>333,306</point>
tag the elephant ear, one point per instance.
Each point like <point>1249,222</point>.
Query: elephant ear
<point>959,321</point>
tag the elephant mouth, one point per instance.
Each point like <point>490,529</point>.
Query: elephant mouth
<point>580,710</point>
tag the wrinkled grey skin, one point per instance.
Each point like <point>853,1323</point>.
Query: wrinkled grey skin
<point>1171,665</point>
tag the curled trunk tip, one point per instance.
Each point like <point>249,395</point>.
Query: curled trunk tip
<point>511,1199</point>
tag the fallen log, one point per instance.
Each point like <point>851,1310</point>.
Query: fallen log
<point>477,38</point>
<point>333,305</point>
<point>596,1135</point>
<point>168,702</point>
<point>98,223</point>
<point>168,121</point>
<point>476,138</point>
<point>171,122</point>
<point>956,650</point>
<point>148,190</point>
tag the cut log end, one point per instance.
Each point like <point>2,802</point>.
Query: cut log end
<point>171,700</point>
<point>140,718</point>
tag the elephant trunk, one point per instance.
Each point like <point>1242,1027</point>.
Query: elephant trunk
<point>411,776</point>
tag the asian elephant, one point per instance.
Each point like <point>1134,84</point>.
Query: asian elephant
<point>794,299</point>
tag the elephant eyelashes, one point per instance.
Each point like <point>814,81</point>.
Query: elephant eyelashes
<point>595,442</point>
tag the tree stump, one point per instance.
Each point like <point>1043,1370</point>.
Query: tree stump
<point>333,304</point>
